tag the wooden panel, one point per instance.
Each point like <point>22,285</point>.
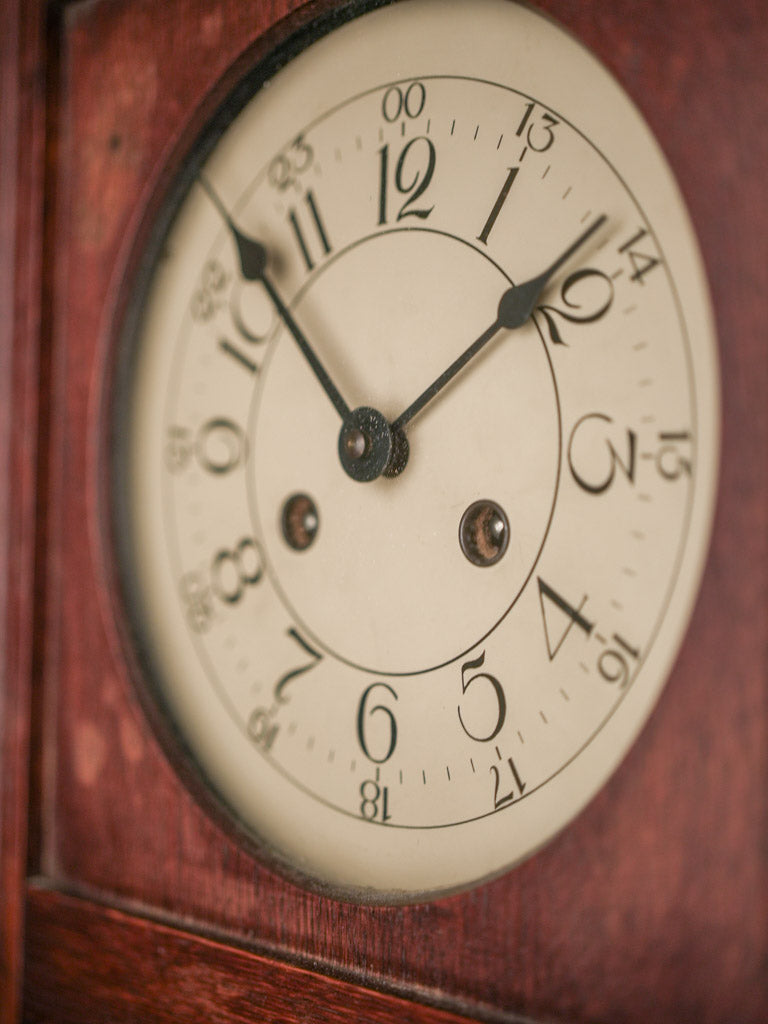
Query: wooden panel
<point>88,962</point>
<point>652,906</point>
<point>21,225</point>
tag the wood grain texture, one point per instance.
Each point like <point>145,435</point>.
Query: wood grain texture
<point>22,137</point>
<point>652,906</point>
<point>88,962</point>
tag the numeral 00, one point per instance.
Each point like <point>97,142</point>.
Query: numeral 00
<point>410,103</point>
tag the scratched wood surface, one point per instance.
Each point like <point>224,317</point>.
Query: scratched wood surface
<point>652,906</point>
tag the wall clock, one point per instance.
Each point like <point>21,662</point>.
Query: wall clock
<point>415,443</point>
<point>381,372</point>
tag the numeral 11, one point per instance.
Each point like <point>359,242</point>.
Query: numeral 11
<point>319,227</point>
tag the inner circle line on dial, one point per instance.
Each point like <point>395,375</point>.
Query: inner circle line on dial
<point>253,504</point>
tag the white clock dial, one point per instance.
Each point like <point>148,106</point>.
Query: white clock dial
<point>418,421</point>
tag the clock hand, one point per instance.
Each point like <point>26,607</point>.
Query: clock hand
<point>515,309</point>
<point>253,266</point>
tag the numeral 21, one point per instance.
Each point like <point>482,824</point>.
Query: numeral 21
<point>517,790</point>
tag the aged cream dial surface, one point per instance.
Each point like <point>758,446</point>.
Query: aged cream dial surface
<point>416,448</point>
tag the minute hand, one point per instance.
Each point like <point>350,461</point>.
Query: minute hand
<point>253,266</point>
<point>515,309</point>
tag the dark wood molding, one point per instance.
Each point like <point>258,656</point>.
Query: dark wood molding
<point>22,163</point>
<point>90,962</point>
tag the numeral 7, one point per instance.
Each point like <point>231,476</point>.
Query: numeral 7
<point>283,681</point>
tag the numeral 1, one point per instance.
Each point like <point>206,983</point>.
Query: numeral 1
<point>238,355</point>
<point>497,206</point>
<point>526,118</point>
<point>319,227</point>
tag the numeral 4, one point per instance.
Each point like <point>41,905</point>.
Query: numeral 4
<point>557,605</point>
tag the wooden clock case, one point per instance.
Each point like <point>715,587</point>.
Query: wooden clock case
<point>121,899</point>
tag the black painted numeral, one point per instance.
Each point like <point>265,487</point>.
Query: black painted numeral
<point>284,680</point>
<point>626,463</point>
<point>287,167</point>
<point>595,301</point>
<point>386,732</point>
<point>409,103</point>
<point>234,571</point>
<point>374,804</point>
<point>237,353</point>
<point>540,134</point>
<point>209,296</point>
<point>498,693</point>
<point>321,235</point>
<point>412,178</point>
<point>614,664</point>
<point>218,447</point>
<point>673,458</point>
<point>501,799</point>
<point>262,729</point>
<point>641,260</point>
<point>498,205</point>
<point>557,605</point>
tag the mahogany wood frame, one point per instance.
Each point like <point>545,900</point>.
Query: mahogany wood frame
<point>120,899</point>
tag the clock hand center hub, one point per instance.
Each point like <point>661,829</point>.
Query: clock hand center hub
<point>369,447</point>
<point>365,444</point>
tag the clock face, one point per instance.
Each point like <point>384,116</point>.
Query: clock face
<point>417,420</point>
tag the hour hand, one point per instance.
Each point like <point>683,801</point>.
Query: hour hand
<point>253,258</point>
